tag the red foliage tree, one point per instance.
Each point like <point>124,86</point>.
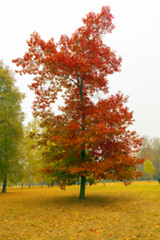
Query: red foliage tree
<point>93,137</point>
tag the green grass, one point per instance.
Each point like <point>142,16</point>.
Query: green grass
<point>113,212</point>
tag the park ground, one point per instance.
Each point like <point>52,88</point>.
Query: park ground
<point>110,212</point>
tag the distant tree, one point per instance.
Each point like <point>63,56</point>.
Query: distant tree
<point>33,154</point>
<point>155,144</point>
<point>93,137</point>
<point>144,153</point>
<point>149,168</point>
<point>11,129</point>
<point>151,150</point>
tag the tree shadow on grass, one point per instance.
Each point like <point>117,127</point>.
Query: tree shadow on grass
<point>91,200</point>
<point>70,199</point>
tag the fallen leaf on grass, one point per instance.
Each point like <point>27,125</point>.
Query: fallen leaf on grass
<point>96,230</point>
<point>157,226</point>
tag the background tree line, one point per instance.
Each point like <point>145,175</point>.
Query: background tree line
<point>150,150</point>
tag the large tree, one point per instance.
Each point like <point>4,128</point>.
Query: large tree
<point>11,129</point>
<point>92,138</point>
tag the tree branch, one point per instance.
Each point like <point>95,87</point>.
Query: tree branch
<point>82,80</point>
<point>70,79</point>
<point>77,79</point>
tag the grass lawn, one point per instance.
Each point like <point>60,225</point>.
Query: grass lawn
<point>113,212</point>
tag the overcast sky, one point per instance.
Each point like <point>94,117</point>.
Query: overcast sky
<point>136,38</point>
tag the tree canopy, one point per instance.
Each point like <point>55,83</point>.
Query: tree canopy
<point>148,167</point>
<point>11,129</point>
<point>92,137</point>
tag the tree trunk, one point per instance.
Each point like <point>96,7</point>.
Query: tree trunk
<point>41,181</point>
<point>83,152</point>
<point>4,187</point>
<point>30,177</point>
<point>82,188</point>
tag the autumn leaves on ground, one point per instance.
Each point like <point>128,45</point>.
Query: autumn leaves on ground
<point>112,212</point>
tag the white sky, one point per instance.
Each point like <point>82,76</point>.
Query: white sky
<point>136,38</point>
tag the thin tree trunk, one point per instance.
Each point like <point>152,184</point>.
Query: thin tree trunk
<point>4,187</point>
<point>30,177</point>
<point>41,181</point>
<point>82,188</point>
